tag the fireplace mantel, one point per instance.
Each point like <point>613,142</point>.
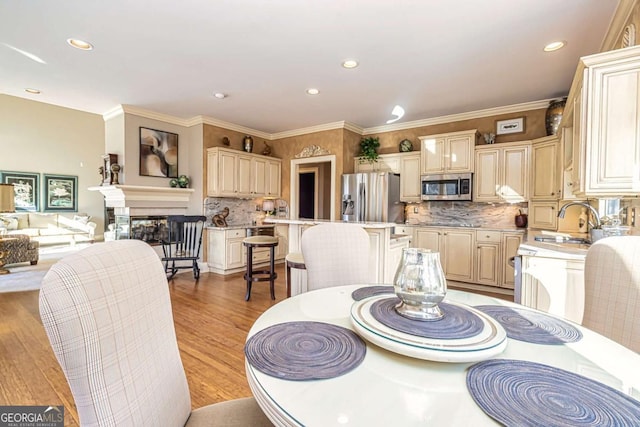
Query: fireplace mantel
<point>135,196</point>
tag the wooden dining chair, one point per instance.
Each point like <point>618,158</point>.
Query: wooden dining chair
<point>336,254</point>
<point>107,313</point>
<point>612,289</point>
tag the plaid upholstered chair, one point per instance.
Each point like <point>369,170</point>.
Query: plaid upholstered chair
<point>612,290</point>
<point>107,312</point>
<point>336,254</point>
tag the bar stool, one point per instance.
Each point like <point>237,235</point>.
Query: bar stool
<point>293,260</point>
<point>260,275</point>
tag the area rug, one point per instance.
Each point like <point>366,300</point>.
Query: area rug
<point>26,277</point>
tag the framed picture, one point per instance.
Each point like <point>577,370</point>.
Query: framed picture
<point>504,127</point>
<point>60,193</point>
<point>158,153</point>
<point>26,186</point>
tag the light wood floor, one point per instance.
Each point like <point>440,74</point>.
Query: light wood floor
<point>211,318</point>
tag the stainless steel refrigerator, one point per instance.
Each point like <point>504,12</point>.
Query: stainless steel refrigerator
<point>373,197</point>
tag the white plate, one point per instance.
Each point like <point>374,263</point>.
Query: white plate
<point>491,341</point>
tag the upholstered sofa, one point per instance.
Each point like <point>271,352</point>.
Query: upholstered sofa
<point>49,228</point>
<point>20,248</point>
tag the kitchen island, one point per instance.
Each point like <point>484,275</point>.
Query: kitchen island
<point>384,254</point>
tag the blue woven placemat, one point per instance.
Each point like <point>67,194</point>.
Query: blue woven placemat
<point>370,291</point>
<point>457,322</point>
<point>532,326</point>
<point>302,351</point>
<point>521,393</point>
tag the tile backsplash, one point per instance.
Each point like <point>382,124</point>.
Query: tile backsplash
<point>481,214</point>
<point>241,211</point>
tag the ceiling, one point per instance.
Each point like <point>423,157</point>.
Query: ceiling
<point>432,57</point>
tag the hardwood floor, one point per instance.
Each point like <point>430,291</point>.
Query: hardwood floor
<point>211,319</point>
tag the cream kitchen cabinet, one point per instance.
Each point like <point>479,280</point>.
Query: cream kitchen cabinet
<point>509,247</point>
<point>282,233</point>
<point>554,285</point>
<point>231,173</point>
<point>225,249</point>
<point>488,257</point>
<point>543,215</point>
<point>545,167</point>
<point>385,163</point>
<point>502,173</point>
<point>448,152</point>
<point>410,190</point>
<point>456,247</point>
<point>604,110</point>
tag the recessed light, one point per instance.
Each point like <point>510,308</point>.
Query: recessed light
<point>312,91</point>
<point>553,46</point>
<point>350,63</point>
<point>33,91</point>
<point>80,44</point>
<point>220,95</point>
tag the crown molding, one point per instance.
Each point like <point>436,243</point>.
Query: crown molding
<point>113,113</point>
<point>318,128</point>
<point>230,126</point>
<point>617,24</point>
<point>515,108</point>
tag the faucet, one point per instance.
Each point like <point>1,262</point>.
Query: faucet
<point>596,216</point>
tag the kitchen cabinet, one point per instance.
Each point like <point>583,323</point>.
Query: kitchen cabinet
<point>545,167</point>
<point>604,111</point>
<point>502,172</point>
<point>543,215</point>
<point>231,173</point>
<point>554,285</point>
<point>410,190</point>
<point>510,244</point>
<point>225,249</point>
<point>406,230</point>
<point>488,257</point>
<point>282,233</point>
<point>385,163</point>
<point>456,247</point>
<point>448,152</point>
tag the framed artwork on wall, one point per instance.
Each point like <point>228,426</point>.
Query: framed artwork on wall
<point>504,127</point>
<point>26,186</point>
<point>158,153</point>
<point>60,193</point>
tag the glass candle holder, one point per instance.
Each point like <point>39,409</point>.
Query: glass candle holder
<point>420,284</point>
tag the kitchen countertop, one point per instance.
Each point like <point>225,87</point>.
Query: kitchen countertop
<point>324,221</point>
<point>465,225</point>
<point>551,249</point>
<point>239,226</point>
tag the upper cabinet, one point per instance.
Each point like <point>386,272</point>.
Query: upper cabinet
<point>385,163</point>
<point>448,152</point>
<point>545,167</point>
<point>603,110</point>
<point>405,164</point>
<point>232,173</point>
<point>502,172</point>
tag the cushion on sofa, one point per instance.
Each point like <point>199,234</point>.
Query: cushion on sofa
<point>42,220</point>
<point>9,223</point>
<point>31,232</point>
<point>82,218</point>
<point>22,218</point>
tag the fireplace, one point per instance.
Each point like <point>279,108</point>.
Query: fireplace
<point>148,228</point>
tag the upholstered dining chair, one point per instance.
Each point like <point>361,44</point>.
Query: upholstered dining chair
<point>107,313</point>
<point>336,254</point>
<point>612,289</point>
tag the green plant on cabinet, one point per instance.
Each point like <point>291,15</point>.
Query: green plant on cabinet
<point>368,149</point>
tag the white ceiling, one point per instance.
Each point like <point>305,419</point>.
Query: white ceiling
<point>433,57</point>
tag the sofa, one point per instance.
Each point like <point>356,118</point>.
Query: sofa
<point>49,228</point>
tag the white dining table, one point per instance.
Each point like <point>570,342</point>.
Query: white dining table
<point>390,389</point>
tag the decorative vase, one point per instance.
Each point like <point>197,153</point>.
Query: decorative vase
<point>183,181</point>
<point>419,282</point>
<point>554,115</point>
<point>173,182</point>
<point>248,144</point>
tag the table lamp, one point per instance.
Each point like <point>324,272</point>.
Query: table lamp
<point>7,204</point>
<point>268,206</point>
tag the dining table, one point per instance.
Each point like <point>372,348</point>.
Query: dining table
<point>321,359</point>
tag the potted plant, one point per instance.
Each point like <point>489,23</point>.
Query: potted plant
<point>368,149</point>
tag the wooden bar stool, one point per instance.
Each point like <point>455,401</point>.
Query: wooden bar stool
<point>252,275</point>
<point>293,260</point>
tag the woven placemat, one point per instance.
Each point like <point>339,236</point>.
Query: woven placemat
<point>532,326</point>
<point>302,351</point>
<point>457,322</point>
<point>370,291</point>
<point>521,393</point>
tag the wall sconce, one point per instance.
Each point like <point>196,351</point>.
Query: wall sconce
<point>268,206</point>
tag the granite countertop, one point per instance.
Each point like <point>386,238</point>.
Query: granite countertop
<point>324,221</point>
<point>532,247</point>
<point>239,226</point>
<point>467,225</point>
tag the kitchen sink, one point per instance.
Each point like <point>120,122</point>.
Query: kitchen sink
<point>562,239</point>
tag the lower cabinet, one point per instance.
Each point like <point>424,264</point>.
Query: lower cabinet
<point>554,285</point>
<point>476,256</point>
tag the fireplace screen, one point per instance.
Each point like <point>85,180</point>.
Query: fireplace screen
<point>150,229</point>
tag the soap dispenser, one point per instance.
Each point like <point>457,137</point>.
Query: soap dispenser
<point>583,221</point>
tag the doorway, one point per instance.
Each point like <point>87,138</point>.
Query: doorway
<point>308,193</point>
<point>324,190</point>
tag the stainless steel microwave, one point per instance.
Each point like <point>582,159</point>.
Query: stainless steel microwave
<point>446,187</point>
